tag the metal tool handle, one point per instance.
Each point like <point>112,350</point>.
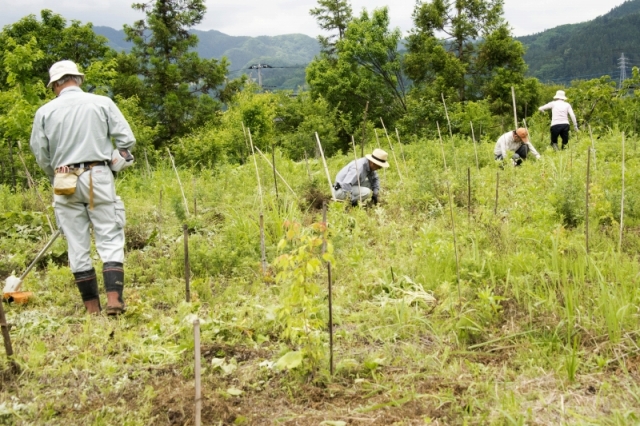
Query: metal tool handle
<point>42,252</point>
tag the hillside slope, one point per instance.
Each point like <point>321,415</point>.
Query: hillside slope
<point>586,50</point>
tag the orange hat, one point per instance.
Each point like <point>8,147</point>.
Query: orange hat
<point>523,134</point>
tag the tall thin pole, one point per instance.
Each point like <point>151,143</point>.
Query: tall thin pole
<point>444,159</point>
<point>593,148</point>
<point>515,115</point>
<point>326,169</point>
<point>263,251</point>
<point>586,215</point>
<point>330,320</point>
<point>277,172</point>
<point>622,199</point>
<point>184,198</point>
<point>475,147</point>
<point>255,163</point>
<point>393,152</point>
<point>455,242</point>
<point>275,178</point>
<point>446,112</point>
<point>6,337</point>
<point>324,223</point>
<point>187,272</point>
<point>197,371</point>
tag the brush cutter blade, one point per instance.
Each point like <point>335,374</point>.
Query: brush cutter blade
<point>12,284</point>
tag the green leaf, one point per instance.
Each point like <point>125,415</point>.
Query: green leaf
<point>290,360</point>
<point>234,392</point>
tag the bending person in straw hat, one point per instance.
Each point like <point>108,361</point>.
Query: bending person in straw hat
<point>517,141</point>
<point>71,140</point>
<point>358,180</point>
<point>560,112</point>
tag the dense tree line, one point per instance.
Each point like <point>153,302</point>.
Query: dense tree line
<point>366,74</point>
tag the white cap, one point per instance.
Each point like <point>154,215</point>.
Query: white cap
<point>62,68</point>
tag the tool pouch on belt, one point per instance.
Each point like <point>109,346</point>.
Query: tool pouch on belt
<point>65,183</point>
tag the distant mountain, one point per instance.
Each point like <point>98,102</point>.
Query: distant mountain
<point>586,50</point>
<point>292,52</point>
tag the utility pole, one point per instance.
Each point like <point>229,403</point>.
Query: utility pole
<point>259,68</point>
<point>622,64</point>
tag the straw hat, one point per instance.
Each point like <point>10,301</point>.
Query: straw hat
<point>523,134</point>
<point>62,68</point>
<point>379,157</point>
<point>560,95</point>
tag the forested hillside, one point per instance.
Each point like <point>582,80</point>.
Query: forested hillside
<point>288,54</point>
<point>586,50</point>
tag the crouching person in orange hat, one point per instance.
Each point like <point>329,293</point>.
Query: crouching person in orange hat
<point>358,180</point>
<point>517,141</point>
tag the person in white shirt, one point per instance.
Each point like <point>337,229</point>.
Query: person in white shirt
<point>517,141</point>
<point>560,112</point>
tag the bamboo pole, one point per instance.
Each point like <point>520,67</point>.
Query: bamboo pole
<point>446,112</point>
<point>393,152</point>
<point>404,161</point>
<point>515,115</point>
<point>246,142</point>
<point>330,319</point>
<point>355,156</point>
<point>326,169</point>
<point>187,271</point>
<point>444,159</point>
<point>278,173</point>
<point>173,164</point>
<point>384,169</point>
<point>455,242</point>
<point>475,147</point>
<point>495,209</point>
<point>586,216</point>
<point>197,371</point>
<point>622,199</point>
<point>263,250</point>
<point>255,163</point>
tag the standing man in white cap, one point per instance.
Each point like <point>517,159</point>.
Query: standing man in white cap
<point>560,112</point>
<point>72,142</point>
<point>516,141</point>
<point>359,180</point>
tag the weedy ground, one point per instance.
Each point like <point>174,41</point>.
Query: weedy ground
<point>526,328</point>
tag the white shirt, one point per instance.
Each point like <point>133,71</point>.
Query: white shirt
<point>507,142</point>
<point>560,112</point>
<point>77,127</point>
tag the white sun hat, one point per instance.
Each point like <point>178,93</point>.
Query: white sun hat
<point>560,95</point>
<point>379,157</point>
<point>62,68</point>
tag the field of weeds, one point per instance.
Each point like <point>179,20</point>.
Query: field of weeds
<point>467,296</point>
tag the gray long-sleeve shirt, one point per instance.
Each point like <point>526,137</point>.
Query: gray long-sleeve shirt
<point>77,127</point>
<point>348,177</point>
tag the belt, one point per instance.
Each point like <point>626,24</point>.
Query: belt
<point>88,164</point>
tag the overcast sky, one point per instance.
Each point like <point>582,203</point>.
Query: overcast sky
<point>275,17</point>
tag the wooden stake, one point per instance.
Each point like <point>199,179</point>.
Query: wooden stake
<point>263,251</point>
<point>364,129</point>
<point>275,179</point>
<point>455,242</point>
<point>330,320</point>
<point>278,173</point>
<point>187,272</point>
<point>392,150</point>
<point>495,210</point>
<point>6,337</point>
<point>515,115</point>
<point>197,373</point>
<point>469,191</point>
<point>447,114</point>
<point>326,169</point>
<point>622,199</point>
<point>475,147</point>
<point>255,163</point>
<point>444,159</point>
<point>355,155</point>
<point>186,205</point>
<point>586,216</point>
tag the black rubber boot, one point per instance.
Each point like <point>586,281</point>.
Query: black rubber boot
<point>87,283</point>
<point>113,274</point>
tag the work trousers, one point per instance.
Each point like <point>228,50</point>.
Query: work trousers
<point>363,191</point>
<point>522,152</point>
<point>107,219</point>
<point>561,130</point>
